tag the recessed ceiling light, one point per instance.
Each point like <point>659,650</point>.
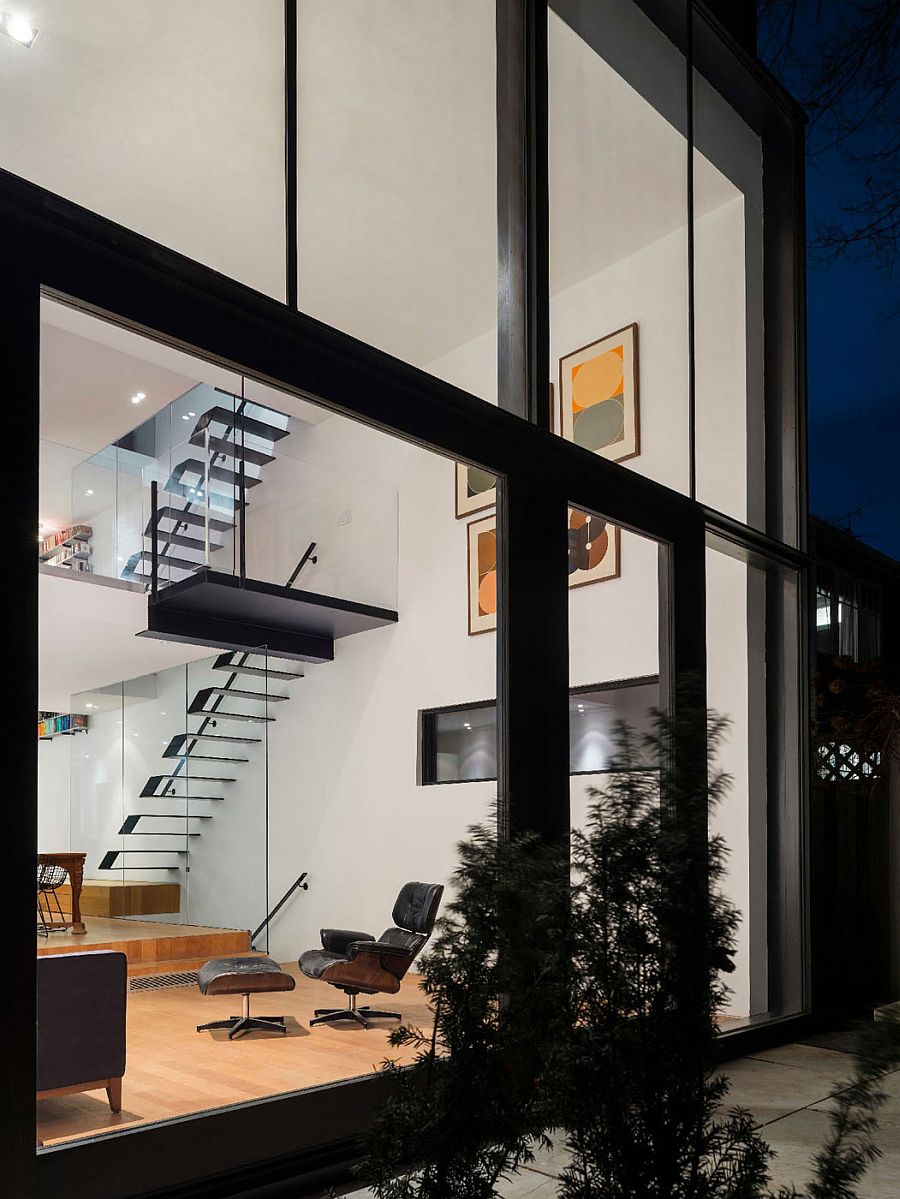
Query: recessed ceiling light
<point>137,397</point>
<point>185,417</point>
<point>18,29</point>
<point>192,414</point>
<point>89,705</point>
<point>90,491</point>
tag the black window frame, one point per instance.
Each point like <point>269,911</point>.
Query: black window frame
<point>57,248</point>
<point>426,760</point>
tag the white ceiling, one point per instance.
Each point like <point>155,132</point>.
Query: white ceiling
<point>88,638</point>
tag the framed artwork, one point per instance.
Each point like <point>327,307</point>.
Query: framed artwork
<point>598,396</point>
<point>594,549</point>
<point>482,575</point>
<point>476,489</point>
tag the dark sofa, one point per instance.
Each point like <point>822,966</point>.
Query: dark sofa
<point>81,1024</point>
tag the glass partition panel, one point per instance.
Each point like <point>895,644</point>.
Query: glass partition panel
<point>397,180</point>
<point>179,111</point>
<point>613,656</point>
<point>728,309</point>
<point>753,644</point>
<point>618,238</point>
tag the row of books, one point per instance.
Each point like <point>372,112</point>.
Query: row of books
<point>76,556</point>
<point>51,724</point>
<point>76,535</point>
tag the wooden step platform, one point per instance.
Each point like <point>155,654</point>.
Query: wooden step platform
<point>123,897</point>
<point>151,947</point>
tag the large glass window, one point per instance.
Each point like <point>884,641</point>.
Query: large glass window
<point>397,180</point>
<point>207,776</point>
<point>153,113</point>
<point>618,238</point>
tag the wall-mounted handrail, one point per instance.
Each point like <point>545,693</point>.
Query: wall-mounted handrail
<point>298,883</point>
<point>154,546</point>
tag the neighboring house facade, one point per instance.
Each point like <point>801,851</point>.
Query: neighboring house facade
<point>854,814</point>
<point>489,317</point>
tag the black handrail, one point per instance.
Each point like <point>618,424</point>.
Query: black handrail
<point>304,886</point>
<point>154,547</point>
<point>308,556</point>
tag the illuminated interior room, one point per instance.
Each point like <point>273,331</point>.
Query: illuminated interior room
<point>283,471</point>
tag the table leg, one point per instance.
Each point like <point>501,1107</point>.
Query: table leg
<point>76,878</point>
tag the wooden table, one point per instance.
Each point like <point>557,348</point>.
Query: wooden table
<point>73,864</point>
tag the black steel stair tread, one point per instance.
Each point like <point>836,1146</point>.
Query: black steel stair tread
<point>146,832</point>
<point>220,715</point>
<point>221,474</point>
<point>257,671</point>
<point>174,815</point>
<point>189,736</point>
<point>189,543</point>
<point>146,851</point>
<point>244,694</point>
<point>179,515</point>
<point>163,560</point>
<point>193,778</point>
<point>250,424</point>
<point>218,797</point>
<point>233,449</point>
<point>199,758</point>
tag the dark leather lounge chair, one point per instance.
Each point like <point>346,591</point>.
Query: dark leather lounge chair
<point>356,963</point>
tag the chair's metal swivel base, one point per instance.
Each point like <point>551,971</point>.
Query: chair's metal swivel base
<point>246,1023</point>
<point>360,1015</point>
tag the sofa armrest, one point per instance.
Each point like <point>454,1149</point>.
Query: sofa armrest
<point>339,940</point>
<point>381,948</point>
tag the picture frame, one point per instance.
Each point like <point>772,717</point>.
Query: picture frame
<point>599,402</point>
<point>476,490</point>
<point>593,557</point>
<point>482,575</point>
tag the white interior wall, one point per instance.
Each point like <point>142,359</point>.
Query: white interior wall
<point>54,775</point>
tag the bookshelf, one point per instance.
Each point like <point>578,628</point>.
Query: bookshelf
<point>70,548</point>
<point>60,724</point>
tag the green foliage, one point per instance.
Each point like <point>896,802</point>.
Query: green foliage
<point>575,992</point>
<point>475,1104</point>
<point>649,948</point>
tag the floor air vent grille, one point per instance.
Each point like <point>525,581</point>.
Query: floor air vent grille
<point>153,982</point>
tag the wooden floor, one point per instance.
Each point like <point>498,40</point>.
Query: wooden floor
<point>172,1070</point>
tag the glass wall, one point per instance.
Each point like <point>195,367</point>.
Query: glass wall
<point>150,113</point>
<point>207,784</point>
<point>397,180</point>
<point>753,681</point>
<point>618,238</point>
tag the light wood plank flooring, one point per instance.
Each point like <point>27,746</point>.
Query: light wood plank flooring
<point>172,1070</point>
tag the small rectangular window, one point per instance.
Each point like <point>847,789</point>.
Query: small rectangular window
<point>459,744</point>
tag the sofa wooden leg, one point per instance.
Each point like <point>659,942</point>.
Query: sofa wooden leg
<point>114,1094</point>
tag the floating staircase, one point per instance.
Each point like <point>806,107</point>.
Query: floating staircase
<point>238,442</point>
<point>202,745</point>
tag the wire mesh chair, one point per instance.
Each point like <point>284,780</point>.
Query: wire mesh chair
<point>49,880</point>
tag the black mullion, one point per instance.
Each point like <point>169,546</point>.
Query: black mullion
<point>290,154</point>
<point>523,318</point>
<point>691,331</point>
<point>533,666</point>
<point>20,350</point>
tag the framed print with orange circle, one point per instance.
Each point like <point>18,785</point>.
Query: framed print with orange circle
<point>482,575</point>
<point>598,396</point>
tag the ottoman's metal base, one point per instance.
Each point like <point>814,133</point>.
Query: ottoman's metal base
<point>246,1023</point>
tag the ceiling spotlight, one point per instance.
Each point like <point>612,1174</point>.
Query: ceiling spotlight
<point>137,397</point>
<point>185,418</point>
<point>90,491</point>
<point>18,29</point>
<point>192,414</point>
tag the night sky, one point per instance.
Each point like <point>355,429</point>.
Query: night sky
<point>853,330</point>
<point>854,381</point>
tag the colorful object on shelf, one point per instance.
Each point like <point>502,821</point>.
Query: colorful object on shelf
<point>60,724</point>
<point>68,547</point>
